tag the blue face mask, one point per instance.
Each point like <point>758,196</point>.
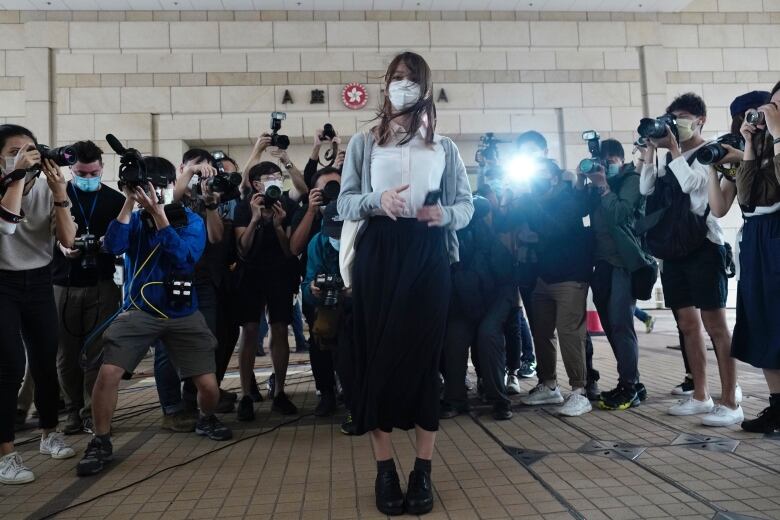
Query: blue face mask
<point>613,169</point>
<point>335,243</point>
<point>86,183</point>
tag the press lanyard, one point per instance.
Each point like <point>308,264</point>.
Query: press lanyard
<point>81,209</point>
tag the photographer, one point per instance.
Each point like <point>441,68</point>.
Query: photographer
<point>196,171</point>
<point>682,232</point>
<point>323,292</point>
<point>756,333</point>
<point>313,164</point>
<point>484,295</point>
<point>84,287</point>
<point>267,280</point>
<point>30,210</point>
<point>552,210</point>
<point>299,186</point>
<point>615,204</point>
<point>162,243</point>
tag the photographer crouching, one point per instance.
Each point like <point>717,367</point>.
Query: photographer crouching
<point>84,287</point>
<point>621,265</point>
<point>484,295</point>
<point>323,291</point>
<point>32,215</point>
<point>162,244</point>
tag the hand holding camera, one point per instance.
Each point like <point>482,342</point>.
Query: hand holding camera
<point>26,159</point>
<point>771,118</point>
<point>263,142</point>
<point>68,252</point>
<point>315,200</point>
<point>148,200</point>
<point>56,180</point>
<point>278,214</point>
<point>257,205</point>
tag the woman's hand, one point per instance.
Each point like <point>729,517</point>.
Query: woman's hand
<point>733,155</point>
<point>433,215</point>
<point>56,180</point>
<point>26,159</point>
<point>772,118</point>
<point>392,202</point>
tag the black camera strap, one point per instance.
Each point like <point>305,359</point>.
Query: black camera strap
<point>81,208</point>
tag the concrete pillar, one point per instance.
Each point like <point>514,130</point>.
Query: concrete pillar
<point>654,64</point>
<point>39,89</point>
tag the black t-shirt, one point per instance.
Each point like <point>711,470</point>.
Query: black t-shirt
<point>266,253</point>
<point>107,203</point>
<point>213,264</point>
<point>316,226</point>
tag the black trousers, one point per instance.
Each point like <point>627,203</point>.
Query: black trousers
<point>28,318</point>
<point>485,336</point>
<point>322,361</point>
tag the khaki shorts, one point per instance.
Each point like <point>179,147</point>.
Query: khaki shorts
<point>188,340</point>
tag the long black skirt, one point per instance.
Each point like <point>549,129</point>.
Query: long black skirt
<point>401,294</point>
<point>757,330</point>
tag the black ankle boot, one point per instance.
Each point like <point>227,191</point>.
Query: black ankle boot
<point>389,497</point>
<point>419,495</point>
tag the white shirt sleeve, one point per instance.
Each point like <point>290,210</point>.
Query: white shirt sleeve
<point>647,178</point>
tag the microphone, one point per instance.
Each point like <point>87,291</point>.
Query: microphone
<point>115,145</point>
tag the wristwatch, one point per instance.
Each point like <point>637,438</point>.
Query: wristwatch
<point>64,204</point>
<point>288,165</point>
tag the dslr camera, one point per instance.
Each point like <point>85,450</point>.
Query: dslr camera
<point>714,152</point>
<point>754,117</point>
<point>330,285</point>
<point>328,132</point>
<point>592,164</point>
<point>89,245</point>
<point>224,183</point>
<point>330,192</point>
<point>650,128</point>
<point>62,156</point>
<point>280,141</point>
<point>488,148</point>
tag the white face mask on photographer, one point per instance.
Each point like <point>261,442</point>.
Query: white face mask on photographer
<point>279,184</point>
<point>686,128</point>
<point>403,94</point>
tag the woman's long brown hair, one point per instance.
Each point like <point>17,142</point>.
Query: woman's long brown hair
<point>420,73</point>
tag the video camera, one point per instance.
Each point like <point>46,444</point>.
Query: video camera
<point>590,165</point>
<point>90,246</point>
<point>280,141</point>
<point>132,170</point>
<point>488,148</point>
<point>650,128</point>
<point>714,152</point>
<point>330,285</point>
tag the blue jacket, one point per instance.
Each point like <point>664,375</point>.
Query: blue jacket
<point>179,250</point>
<point>322,258</point>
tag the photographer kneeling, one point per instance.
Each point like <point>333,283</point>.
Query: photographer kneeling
<point>484,296</point>
<point>162,244</point>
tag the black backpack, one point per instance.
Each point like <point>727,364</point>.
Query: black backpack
<point>671,230</point>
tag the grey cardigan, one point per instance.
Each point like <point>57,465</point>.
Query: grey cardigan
<point>357,202</point>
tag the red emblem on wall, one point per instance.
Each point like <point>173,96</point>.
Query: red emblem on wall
<point>354,96</point>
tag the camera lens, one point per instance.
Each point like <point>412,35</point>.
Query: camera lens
<point>651,128</point>
<point>331,191</point>
<point>588,166</point>
<point>754,117</point>
<point>711,153</point>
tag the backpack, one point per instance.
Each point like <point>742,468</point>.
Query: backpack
<point>671,230</point>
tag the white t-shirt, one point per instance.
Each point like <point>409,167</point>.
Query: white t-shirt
<point>31,245</point>
<point>693,180</point>
<point>415,164</point>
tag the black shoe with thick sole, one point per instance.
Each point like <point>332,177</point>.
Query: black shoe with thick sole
<point>211,427</point>
<point>621,398</point>
<point>592,391</point>
<point>419,494</point>
<point>246,409</point>
<point>348,426</point>
<point>389,497</point>
<point>255,394</point>
<point>73,424</point>
<point>768,421</point>
<point>98,454</point>
<point>326,407</point>
<point>283,405</point>
<point>641,394</point>
<point>684,388</point>
<point>502,412</point>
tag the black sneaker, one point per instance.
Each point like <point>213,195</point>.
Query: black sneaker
<point>246,409</point>
<point>88,426</point>
<point>501,412</point>
<point>98,454</point>
<point>283,405</point>
<point>348,426</point>
<point>73,424</point>
<point>389,497</point>
<point>326,407</point>
<point>622,398</point>
<point>768,421</point>
<point>527,369</point>
<point>684,388</point>
<point>419,494</point>
<point>213,428</point>
<point>641,394</point>
<point>592,391</point>
<point>255,394</point>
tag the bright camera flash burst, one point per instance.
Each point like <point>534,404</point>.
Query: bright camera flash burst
<point>522,168</point>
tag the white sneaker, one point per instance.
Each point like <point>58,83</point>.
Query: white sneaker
<point>512,384</point>
<point>576,404</point>
<point>692,407</point>
<point>54,445</point>
<point>723,416</point>
<point>738,394</point>
<point>13,470</point>
<point>542,394</point>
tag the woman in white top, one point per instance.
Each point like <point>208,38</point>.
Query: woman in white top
<point>401,274</point>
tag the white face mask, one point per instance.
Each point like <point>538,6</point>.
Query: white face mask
<point>686,128</point>
<point>268,184</point>
<point>167,196</point>
<point>403,94</point>
<point>194,181</point>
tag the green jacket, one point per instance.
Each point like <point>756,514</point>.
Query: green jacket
<point>620,210</point>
